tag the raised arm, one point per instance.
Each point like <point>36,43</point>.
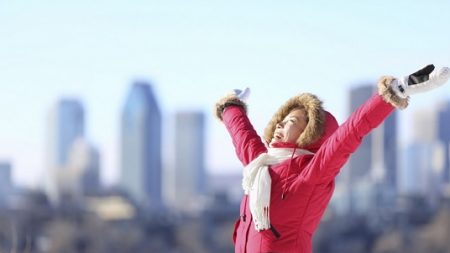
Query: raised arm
<point>232,112</point>
<point>392,93</point>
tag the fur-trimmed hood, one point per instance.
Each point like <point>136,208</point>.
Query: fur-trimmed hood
<point>321,124</point>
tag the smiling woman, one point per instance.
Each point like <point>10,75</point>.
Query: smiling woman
<point>289,180</point>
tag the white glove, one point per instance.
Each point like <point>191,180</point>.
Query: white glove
<point>242,94</point>
<point>423,80</point>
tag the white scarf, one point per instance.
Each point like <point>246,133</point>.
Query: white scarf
<point>257,182</point>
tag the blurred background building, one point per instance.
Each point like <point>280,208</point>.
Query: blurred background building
<point>66,126</point>
<point>444,139</point>
<point>141,168</point>
<point>5,182</point>
<point>187,181</point>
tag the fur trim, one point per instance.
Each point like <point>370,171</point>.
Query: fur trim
<point>388,95</point>
<point>225,101</point>
<point>316,118</point>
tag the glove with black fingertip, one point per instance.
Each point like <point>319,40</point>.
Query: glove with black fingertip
<point>423,80</point>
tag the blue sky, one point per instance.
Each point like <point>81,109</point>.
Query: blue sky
<point>193,52</point>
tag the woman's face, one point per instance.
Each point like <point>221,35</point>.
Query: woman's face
<point>291,127</point>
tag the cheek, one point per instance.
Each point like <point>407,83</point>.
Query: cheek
<point>294,133</point>
<point>300,130</point>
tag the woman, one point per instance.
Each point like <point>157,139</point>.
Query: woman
<point>288,182</point>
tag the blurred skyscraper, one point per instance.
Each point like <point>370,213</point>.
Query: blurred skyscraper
<point>373,167</point>
<point>187,180</point>
<point>359,164</point>
<point>5,181</point>
<point>66,125</point>
<point>141,146</point>
<point>415,174</point>
<point>385,161</point>
<point>444,138</point>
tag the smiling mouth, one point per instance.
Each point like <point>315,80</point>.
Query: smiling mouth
<point>278,136</point>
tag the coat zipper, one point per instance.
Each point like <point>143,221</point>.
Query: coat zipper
<point>275,232</point>
<point>243,216</point>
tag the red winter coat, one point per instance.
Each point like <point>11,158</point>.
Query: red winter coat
<point>307,180</point>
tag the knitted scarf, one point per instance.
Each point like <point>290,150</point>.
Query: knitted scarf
<point>257,182</point>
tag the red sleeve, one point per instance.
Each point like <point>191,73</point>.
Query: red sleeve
<point>336,150</point>
<point>247,143</point>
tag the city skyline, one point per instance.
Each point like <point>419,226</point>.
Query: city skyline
<point>425,133</point>
<point>194,52</point>
<point>417,121</point>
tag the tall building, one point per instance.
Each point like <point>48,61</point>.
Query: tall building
<point>415,175</point>
<point>141,146</point>
<point>373,167</point>
<point>419,175</point>
<point>66,125</point>
<point>359,164</point>
<point>188,178</point>
<point>444,138</point>
<point>385,162</point>
<point>5,181</point>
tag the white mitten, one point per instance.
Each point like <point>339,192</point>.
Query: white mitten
<point>236,97</point>
<point>423,80</point>
<point>242,94</point>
